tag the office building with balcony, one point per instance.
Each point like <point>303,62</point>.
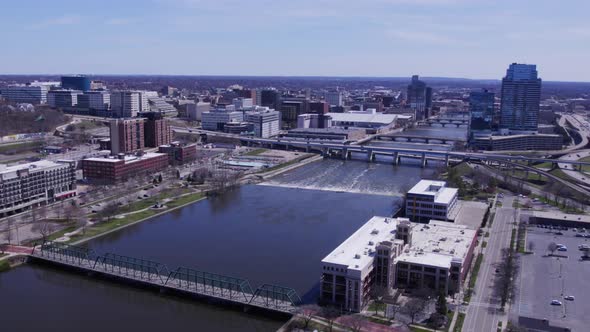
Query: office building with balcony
<point>25,185</point>
<point>127,135</point>
<point>521,98</point>
<point>121,167</point>
<point>431,200</point>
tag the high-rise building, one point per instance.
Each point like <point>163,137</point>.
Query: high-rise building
<point>481,110</point>
<point>216,119</point>
<point>156,130</point>
<point>127,135</point>
<point>63,98</point>
<point>195,111</point>
<point>269,98</point>
<point>334,98</point>
<point>125,104</point>
<point>266,122</point>
<point>419,97</point>
<point>77,82</point>
<point>99,101</point>
<point>521,97</point>
<point>291,108</point>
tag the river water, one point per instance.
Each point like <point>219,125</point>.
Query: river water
<point>275,232</point>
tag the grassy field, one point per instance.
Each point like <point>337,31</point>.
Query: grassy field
<point>4,266</point>
<point>586,168</point>
<point>473,278</point>
<point>20,147</point>
<point>459,322</point>
<point>255,152</point>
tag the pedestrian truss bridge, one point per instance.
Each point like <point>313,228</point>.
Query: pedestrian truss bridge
<point>156,275</point>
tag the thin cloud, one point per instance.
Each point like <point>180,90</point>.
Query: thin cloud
<point>58,21</point>
<point>119,21</point>
<point>420,37</point>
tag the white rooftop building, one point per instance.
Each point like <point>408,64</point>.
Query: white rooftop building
<point>431,200</point>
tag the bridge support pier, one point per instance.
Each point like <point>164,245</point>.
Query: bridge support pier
<point>447,160</point>
<point>423,161</point>
<point>396,158</point>
<point>307,149</point>
<point>370,156</point>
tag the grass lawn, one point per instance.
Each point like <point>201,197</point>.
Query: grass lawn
<point>255,152</point>
<point>484,244</point>
<point>473,278</point>
<point>20,146</point>
<point>459,322</point>
<point>586,168</point>
<point>415,328</point>
<point>4,266</point>
<point>374,306</point>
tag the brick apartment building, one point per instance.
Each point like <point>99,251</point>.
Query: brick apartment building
<point>157,130</point>
<point>127,135</point>
<point>178,153</point>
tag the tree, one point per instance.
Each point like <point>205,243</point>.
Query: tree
<point>414,307</point>
<point>109,211</point>
<point>504,282</point>
<point>552,247</point>
<point>377,294</point>
<point>330,314</point>
<point>441,303</point>
<point>82,223</point>
<point>531,246</point>
<point>44,228</point>
<point>355,322</point>
<point>9,223</point>
<point>306,312</point>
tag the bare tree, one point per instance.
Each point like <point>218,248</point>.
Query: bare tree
<point>109,211</point>
<point>44,228</point>
<point>306,312</point>
<point>531,246</point>
<point>504,282</point>
<point>377,294</point>
<point>9,223</point>
<point>551,247</point>
<point>330,314</point>
<point>414,307</point>
<point>355,322</point>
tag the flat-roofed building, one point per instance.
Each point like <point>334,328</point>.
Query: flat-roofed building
<point>546,142</point>
<point>349,271</point>
<point>125,104</point>
<point>63,98</point>
<point>266,122</point>
<point>127,135</point>
<point>156,130</point>
<point>40,182</point>
<point>121,167</point>
<point>438,257</point>
<point>396,253</point>
<point>178,153</point>
<point>32,93</point>
<point>431,200</point>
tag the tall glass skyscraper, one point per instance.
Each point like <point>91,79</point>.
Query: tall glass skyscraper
<point>521,96</point>
<point>481,110</point>
<point>419,97</point>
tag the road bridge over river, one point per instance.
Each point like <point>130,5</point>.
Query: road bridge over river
<point>186,281</point>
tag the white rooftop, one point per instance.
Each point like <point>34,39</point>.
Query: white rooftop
<point>438,244</point>
<point>377,118</point>
<point>442,194</point>
<point>357,251</point>
<point>33,165</point>
<point>127,158</point>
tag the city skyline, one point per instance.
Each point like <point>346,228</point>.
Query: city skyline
<point>380,38</point>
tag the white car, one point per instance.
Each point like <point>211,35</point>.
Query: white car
<point>562,248</point>
<point>556,302</point>
<point>570,298</point>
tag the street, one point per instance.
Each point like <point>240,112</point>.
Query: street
<point>483,311</point>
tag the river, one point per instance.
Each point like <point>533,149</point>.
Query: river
<point>275,232</point>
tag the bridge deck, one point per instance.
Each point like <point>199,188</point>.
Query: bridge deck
<point>237,291</point>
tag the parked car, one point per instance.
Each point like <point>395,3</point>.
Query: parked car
<point>556,302</point>
<point>570,298</point>
<point>558,233</point>
<point>562,249</point>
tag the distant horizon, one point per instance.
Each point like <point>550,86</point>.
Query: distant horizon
<point>498,80</point>
<point>471,39</point>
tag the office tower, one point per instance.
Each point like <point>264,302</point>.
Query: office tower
<point>521,97</point>
<point>481,110</point>
<point>125,104</point>
<point>127,135</point>
<point>334,98</point>
<point>95,100</point>
<point>269,98</point>
<point>156,130</point>
<point>77,82</point>
<point>63,98</point>
<point>419,98</point>
<point>266,122</point>
<point>290,109</point>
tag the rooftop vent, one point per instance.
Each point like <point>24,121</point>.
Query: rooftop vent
<point>357,256</point>
<point>375,232</point>
<point>443,239</point>
<point>371,243</point>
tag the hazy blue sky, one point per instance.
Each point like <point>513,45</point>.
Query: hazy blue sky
<point>455,38</point>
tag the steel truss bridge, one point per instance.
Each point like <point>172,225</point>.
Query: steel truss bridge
<point>184,280</point>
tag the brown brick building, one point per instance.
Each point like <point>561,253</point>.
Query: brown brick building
<point>127,135</point>
<point>119,168</point>
<point>179,154</point>
<point>157,130</point>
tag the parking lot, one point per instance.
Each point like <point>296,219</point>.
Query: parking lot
<point>544,278</point>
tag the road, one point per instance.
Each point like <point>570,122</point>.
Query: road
<point>575,174</point>
<point>483,312</point>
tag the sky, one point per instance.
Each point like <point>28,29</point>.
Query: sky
<point>384,38</point>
